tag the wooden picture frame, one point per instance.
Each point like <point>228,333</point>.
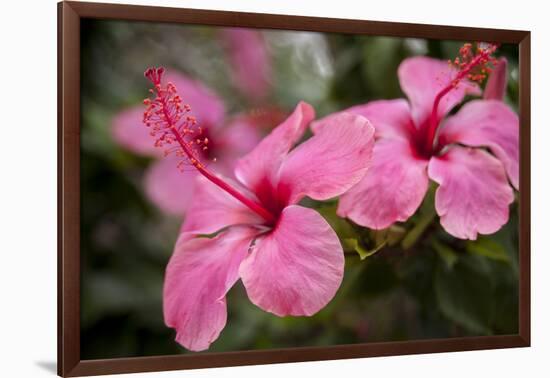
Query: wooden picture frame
<point>69,17</point>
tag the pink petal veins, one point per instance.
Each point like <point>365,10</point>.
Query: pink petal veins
<point>198,276</point>
<point>336,158</point>
<point>390,118</point>
<point>487,123</point>
<point>213,209</point>
<point>473,195</point>
<point>297,268</point>
<point>263,162</point>
<point>392,189</point>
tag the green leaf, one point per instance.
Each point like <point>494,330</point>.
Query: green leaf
<point>340,225</point>
<point>412,237</point>
<point>489,248</point>
<point>465,295</point>
<point>425,216</point>
<point>449,256</point>
<point>391,235</point>
<point>363,252</point>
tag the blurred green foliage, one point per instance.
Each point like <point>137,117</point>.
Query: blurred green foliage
<point>412,281</point>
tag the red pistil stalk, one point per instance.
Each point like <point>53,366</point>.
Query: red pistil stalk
<point>466,64</point>
<point>169,121</point>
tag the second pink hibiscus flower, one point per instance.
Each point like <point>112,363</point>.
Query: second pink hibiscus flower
<point>416,143</point>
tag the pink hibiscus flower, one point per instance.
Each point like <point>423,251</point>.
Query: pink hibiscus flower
<point>471,154</point>
<point>288,257</point>
<point>169,189</point>
<point>249,58</point>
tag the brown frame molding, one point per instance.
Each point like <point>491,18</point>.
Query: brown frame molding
<point>69,15</point>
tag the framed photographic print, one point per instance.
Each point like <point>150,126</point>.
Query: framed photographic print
<point>239,188</point>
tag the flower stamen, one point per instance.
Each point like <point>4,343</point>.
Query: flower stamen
<point>471,66</point>
<point>172,125</point>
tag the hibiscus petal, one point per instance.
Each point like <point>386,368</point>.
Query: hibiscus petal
<point>331,162</point>
<point>206,106</point>
<point>392,189</point>
<point>129,131</point>
<point>238,137</point>
<point>422,78</point>
<point>488,123</point>
<point>213,209</point>
<point>390,118</point>
<point>473,195</point>
<point>297,268</point>
<point>250,61</point>
<point>198,276</point>
<point>169,188</point>
<point>495,89</point>
<point>263,162</point>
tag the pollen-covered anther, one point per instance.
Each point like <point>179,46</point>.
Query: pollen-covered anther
<point>475,64</point>
<point>169,120</point>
